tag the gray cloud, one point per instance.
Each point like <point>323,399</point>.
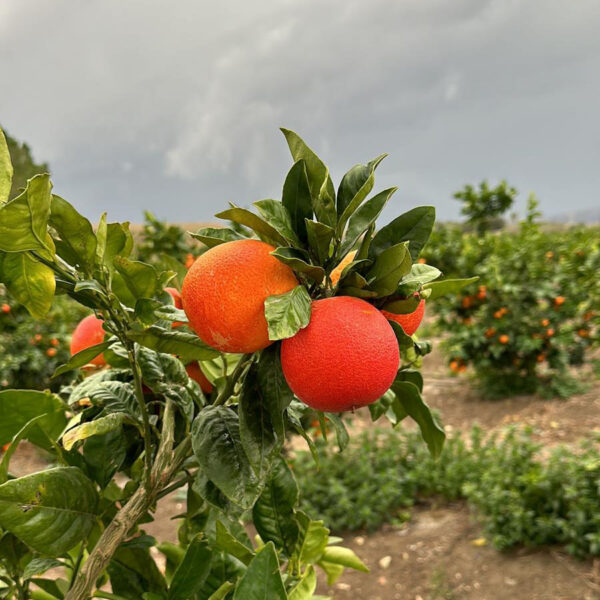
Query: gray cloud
<point>175,106</point>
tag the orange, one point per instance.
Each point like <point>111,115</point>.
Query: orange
<point>88,333</point>
<point>176,302</point>
<point>337,272</point>
<point>345,358</point>
<point>410,321</point>
<point>422,261</point>
<point>6,308</point>
<point>189,260</point>
<point>490,332</point>
<point>584,333</point>
<point>545,322</point>
<point>51,352</point>
<point>559,301</point>
<point>550,332</point>
<point>466,302</point>
<point>195,372</point>
<point>225,290</point>
<point>503,339</point>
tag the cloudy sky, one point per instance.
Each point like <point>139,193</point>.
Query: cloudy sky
<point>175,106</point>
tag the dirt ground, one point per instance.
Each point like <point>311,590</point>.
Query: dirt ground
<point>440,553</point>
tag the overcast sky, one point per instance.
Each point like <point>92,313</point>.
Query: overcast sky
<point>175,105</point>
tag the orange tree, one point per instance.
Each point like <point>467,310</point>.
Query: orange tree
<point>535,311</point>
<point>139,428</point>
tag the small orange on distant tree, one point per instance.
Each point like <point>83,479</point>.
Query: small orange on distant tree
<point>6,308</point>
<point>559,301</point>
<point>51,352</point>
<point>503,339</point>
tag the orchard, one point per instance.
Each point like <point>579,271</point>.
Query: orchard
<point>195,380</point>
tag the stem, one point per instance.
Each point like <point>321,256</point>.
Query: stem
<point>77,563</point>
<point>230,385</point>
<point>167,464</point>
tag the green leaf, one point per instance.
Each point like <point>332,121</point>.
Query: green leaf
<point>99,426</point>
<point>287,313</point>
<point>217,444</point>
<point>277,215</point>
<point>276,393</point>
<point>141,279</point>
<point>296,198</point>
<point>341,433</point>
<point>75,231</point>
<point>18,407</point>
<point>312,539</point>
<point>29,281</point>
<point>390,267</point>
<point>414,405</point>
<point>24,220</point>
<point>50,511</point>
<point>213,236</point>
<point>413,226</point>
<point>332,570</point>
<point>306,587</point>
<point>83,357</point>
<point>319,181</point>
<point>421,274</point>
<point>319,239</point>
<point>134,572</point>
<point>447,286</point>
<point>273,514</point>
<point>265,232</point>
<point>262,579</point>
<point>404,341</point>
<point>105,454</point>
<point>187,346</point>
<point>38,565</point>
<point>338,555</point>
<point>228,543</point>
<point>413,376</point>
<point>256,430</point>
<point>118,243</point>
<point>192,571</point>
<point>355,186</point>
<point>6,169</point>
<point>363,218</point>
<point>299,261</point>
<point>222,592</point>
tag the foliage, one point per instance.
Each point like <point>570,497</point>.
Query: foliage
<point>23,164</point>
<point>485,206</point>
<point>535,312</point>
<point>141,428</point>
<point>521,498</point>
<point>33,350</point>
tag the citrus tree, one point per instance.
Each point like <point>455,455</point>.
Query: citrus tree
<point>202,398</point>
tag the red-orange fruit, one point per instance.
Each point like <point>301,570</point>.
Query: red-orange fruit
<point>195,372</point>
<point>410,321</point>
<point>176,296</point>
<point>225,290</point>
<point>345,358</point>
<point>88,333</point>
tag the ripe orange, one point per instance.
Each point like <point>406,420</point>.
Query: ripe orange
<point>51,352</point>
<point>189,260</point>
<point>409,322</point>
<point>195,372</point>
<point>176,296</point>
<point>337,272</point>
<point>503,339</point>
<point>559,301</point>
<point>490,332</point>
<point>225,290</point>
<point>466,302</point>
<point>545,322</point>
<point>6,308</point>
<point>345,358</point>
<point>88,333</point>
<point>550,332</point>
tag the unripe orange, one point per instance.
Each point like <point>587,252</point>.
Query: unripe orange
<point>337,272</point>
<point>410,321</point>
<point>88,333</point>
<point>345,358</point>
<point>225,290</point>
<point>195,372</point>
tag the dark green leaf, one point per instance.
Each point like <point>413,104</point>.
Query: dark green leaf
<point>18,407</point>
<point>413,226</point>
<point>142,280</point>
<point>296,198</point>
<point>29,281</point>
<point>265,232</point>
<point>104,455</point>
<point>24,219</point>
<point>273,514</point>
<point>319,239</point>
<point>355,186</point>
<point>391,265</point>
<point>363,218</point>
<point>287,313</point>
<point>413,376</point>
<point>341,433</point>
<point>83,357</point>
<point>186,345</point>
<point>38,565</point>
<point>299,261</point>
<point>319,181</point>
<point>213,236</point>
<point>50,511</point>
<point>447,286</point>
<point>228,543</point>
<point>262,579</point>
<point>218,447</point>
<point>277,215</point>
<point>404,341</point>
<point>134,572</point>
<point>75,232</point>
<point>192,571</point>
<point>411,400</point>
